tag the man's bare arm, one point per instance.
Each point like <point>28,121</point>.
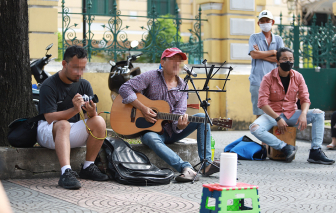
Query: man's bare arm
<point>269,111</point>
<point>257,54</point>
<point>271,59</point>
<point>61,115</point>
<point>281,123</point>
<point>77,101</point>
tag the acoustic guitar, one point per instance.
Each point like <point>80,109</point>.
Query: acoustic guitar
<point>128,121</point>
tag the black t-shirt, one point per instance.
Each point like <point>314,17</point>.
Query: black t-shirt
<point>53,91</point>
<point>285,82</point>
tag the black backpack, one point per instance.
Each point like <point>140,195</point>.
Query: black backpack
<point>131,167</point>
<point>23,131</point>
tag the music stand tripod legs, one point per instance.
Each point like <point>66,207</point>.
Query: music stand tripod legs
<point>205,161</point>
<point>204,104</point>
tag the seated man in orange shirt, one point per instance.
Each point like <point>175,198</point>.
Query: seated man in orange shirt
<point>278,94</point>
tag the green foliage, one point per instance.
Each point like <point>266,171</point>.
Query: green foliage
<point>162,35</point>
<point>60,54</point>
<point>307,54</point>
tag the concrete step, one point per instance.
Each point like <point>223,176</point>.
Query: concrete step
<point>306,134</point>
<point>36,162</point>
<point>41,162</point>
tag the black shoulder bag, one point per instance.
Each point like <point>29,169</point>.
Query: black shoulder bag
<point>22,132</point>
<point>72,92</point>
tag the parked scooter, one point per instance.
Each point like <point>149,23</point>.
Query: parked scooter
<point>122,71</point>
<point>37,70</point>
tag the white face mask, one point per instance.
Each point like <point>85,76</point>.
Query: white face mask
<point>265,27</point>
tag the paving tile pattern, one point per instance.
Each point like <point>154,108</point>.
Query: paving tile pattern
<point>24,199</point>
<point>283,187</point>
<point>108,196</point>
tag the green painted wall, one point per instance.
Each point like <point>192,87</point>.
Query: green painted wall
<point>321,87</point>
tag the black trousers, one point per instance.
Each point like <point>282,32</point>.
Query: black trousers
<point>333,122</point>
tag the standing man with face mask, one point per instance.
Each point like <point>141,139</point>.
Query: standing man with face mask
<point>263,47</point>
<point>278,94</point>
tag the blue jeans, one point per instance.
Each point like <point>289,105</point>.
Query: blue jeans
<point>254,90</point>
<point>158,143</point>
<point>266,122</point>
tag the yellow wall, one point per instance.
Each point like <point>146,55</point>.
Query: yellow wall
<point>42,29</point>
<point>334,8</point>
<point>235,103</point>
<point>43,2</point>
<point>222,32</point>
<point>238,99</point>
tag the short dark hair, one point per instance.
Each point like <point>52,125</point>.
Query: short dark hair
<point>74,50</point>
<point>281,50</point>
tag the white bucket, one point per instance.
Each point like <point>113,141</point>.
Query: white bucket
<point>228,169</point>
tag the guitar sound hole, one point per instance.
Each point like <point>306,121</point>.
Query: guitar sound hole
<point>142,123</point>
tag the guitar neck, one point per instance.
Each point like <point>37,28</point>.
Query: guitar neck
<point>175,117</point>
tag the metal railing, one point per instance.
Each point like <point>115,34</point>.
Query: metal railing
<point>115,42</point>
<point>314,46</point>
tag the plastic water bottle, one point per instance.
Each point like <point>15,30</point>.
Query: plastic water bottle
<point>212,148</point>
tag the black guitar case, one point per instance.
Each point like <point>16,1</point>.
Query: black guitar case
<point>131,167</point>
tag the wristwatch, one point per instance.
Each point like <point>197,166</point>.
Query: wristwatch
<point>278,119</point>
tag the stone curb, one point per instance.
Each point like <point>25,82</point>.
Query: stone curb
<point>306,134</point>
<point>41,162</point>
<point>35,162</point>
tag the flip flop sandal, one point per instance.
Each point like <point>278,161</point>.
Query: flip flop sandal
<point>186,176</point>
<point>213,169</point>
<point>331,146</point>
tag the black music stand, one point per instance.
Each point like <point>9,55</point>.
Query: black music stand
<point>204,104</point>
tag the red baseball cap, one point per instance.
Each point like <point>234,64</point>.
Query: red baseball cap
<point>169,52</point>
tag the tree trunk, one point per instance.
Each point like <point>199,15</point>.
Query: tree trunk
<point>15,77</point>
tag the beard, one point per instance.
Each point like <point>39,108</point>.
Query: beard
<point>72,80</point>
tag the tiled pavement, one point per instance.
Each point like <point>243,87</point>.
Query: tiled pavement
<point>295,187</point>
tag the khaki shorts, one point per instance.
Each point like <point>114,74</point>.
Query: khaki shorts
<point>78,134</point>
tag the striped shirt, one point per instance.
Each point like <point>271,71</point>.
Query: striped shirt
<point>152,85</point>
<point>261,67</point>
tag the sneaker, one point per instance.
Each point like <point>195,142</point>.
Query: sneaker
<point>92,173</point>
<point>289,152</point>
<point>318,156</point>
<point>68,180</point>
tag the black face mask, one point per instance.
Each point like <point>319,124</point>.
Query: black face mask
<point>286,66</point>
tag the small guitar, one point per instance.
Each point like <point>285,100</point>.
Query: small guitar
<point>128,121</point>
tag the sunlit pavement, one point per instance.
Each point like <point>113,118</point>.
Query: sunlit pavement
<point>283,187</point>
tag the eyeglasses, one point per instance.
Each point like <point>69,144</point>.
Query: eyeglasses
<point>287,59</point>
